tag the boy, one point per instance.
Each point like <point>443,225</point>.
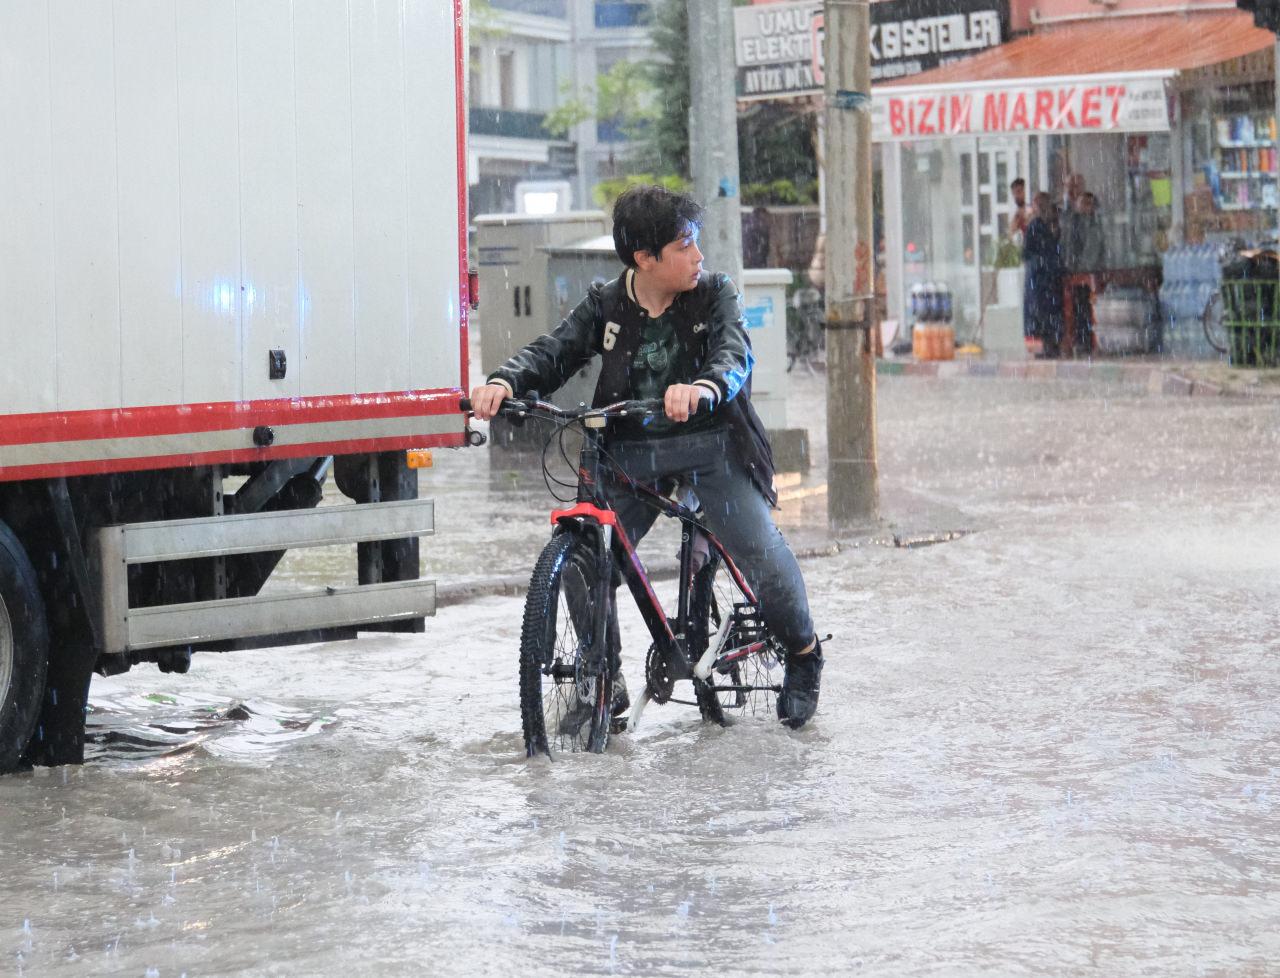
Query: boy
<point>667,330</point>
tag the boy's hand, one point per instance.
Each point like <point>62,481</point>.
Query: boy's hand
<point>681,400</point>
<point>486,399</point>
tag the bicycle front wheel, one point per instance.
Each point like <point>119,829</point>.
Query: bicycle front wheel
<point>746,672</point>
<point>565,688</point>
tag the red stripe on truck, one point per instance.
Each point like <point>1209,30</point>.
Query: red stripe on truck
<point>99,466</point>
<point>176,419</point>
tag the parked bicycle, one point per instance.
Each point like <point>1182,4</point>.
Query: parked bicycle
<point>569,644</point>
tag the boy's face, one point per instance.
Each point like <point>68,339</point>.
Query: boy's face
<point>679,267</point>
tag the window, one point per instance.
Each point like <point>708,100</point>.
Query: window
<point>507,79</point>
<point>622,13</point>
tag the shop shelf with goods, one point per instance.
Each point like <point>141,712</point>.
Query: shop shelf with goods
<point>1233,162</point>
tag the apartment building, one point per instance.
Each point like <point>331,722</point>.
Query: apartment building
<point>526,57</point>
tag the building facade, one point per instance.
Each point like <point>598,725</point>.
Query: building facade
<point>526,58</point>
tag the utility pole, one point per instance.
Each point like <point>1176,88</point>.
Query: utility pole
<point>713,134</point>
<point>852,493</point>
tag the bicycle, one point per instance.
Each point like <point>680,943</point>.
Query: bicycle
<point>569,642</point>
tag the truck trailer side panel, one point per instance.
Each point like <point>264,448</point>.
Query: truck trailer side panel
<point>188,190</point>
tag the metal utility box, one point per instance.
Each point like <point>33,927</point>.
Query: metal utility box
<point>517,304</point>
<point>764,295</point>
<point>571,270</point>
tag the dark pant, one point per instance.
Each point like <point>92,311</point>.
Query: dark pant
<point>733,510</point>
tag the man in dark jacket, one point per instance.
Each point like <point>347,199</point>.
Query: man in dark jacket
<point>665,329</point>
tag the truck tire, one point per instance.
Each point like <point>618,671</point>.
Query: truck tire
<point>24,649</point>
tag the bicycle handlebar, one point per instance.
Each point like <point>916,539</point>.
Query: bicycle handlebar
<point>521,407</point>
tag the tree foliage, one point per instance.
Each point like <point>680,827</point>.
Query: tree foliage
<point>622,97</point>
<point>482,21</point>
<point>666,144</point>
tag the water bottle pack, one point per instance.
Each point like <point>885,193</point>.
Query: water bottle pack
<point>1192,275</point>
<point>931,302</point>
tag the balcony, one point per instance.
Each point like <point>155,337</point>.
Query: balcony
<point>622,13</point>
<point>508,123</point>
<point>539,8</point>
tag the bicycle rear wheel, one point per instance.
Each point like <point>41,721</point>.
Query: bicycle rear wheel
<point>1215,332</point>
<point>747,671</point>
<point>565,697</point>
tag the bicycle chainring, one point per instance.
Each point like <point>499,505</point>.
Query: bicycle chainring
<point>658,677</point>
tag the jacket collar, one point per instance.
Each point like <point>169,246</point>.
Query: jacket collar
<point>678,301</point>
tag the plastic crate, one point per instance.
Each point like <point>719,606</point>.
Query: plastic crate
<point>1251,317</point>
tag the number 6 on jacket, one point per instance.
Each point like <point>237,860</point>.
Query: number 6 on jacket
<point>610,335</point>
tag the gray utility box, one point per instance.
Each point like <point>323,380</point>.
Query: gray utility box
<point>517,304</point>
<point>533,270</point>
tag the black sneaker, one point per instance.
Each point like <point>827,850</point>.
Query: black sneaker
<point>621,698</point>
<point>799,697</point>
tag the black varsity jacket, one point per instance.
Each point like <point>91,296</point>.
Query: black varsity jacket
<point>608,323</point>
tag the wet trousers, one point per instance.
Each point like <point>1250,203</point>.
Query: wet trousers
<point>734,511</point>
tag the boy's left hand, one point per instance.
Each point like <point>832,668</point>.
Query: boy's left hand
<point>681,400</point>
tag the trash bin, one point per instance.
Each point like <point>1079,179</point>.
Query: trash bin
<point>1251,309</point>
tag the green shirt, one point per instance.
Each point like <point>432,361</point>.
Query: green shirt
<point>652,372</point>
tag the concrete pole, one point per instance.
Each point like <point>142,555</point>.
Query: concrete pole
<point>713,134</point>
<point>852,493</point>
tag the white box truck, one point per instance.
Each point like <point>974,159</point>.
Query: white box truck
<point>232,257</point>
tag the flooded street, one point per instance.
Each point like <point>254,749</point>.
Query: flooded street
<point>1048,747</point>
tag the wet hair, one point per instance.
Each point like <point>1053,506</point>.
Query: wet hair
<point>648,218</point>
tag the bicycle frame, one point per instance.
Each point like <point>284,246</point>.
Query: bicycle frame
<point>592,508</point>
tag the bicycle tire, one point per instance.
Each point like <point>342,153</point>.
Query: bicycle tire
<point>561,708</point>
<point>749,685</point>
<point>1215,333</point>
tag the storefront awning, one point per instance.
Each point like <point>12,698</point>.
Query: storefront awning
<point>1092,76</point>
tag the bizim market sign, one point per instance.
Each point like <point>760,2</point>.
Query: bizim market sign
<point>779,45</point>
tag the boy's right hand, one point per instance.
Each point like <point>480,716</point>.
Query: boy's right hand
<point>486,399</point>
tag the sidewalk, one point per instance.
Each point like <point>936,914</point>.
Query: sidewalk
<point>1156,377</point>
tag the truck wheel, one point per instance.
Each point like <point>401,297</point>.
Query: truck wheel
<point>24,649</point>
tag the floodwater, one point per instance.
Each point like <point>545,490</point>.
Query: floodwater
<point>1046,748</point>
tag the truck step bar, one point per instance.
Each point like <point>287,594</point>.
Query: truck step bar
<point>116,548</point>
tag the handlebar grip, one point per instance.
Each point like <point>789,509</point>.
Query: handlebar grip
<point>464,405</point>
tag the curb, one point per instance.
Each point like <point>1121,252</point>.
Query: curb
<point>1156,380</point>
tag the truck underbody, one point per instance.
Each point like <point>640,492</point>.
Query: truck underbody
<point>100,573</point>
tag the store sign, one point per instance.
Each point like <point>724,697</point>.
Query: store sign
<point>779,45</point>
<point>1061,105</point>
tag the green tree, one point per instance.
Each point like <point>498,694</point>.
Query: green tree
<point>666,145</point>
<point>482,21</point>
<point>623,97</point>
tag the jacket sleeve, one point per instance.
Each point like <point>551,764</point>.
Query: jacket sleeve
<point>546,363</point>
<point>729,359</point>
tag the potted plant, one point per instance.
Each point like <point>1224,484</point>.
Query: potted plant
<point>1008,266</point>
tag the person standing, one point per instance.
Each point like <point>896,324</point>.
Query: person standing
<point>1084,251</point>
<point>1021,212</point>
<point>756,239</point>
<point>1042,288</point>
